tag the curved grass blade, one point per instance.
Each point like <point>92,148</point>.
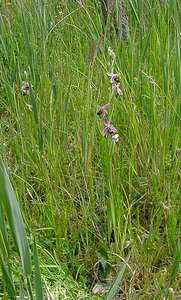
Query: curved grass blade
<point>117,280</point>
<point>134,10</point>
<point>14,218</point>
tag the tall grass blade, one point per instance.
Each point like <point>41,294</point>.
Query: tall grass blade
<point>117,280</point>
<point>134,11</point>
<point>27,43</point>
<point>22,296</point>
<point>14,218</point>
<point>38,281</point>
<point>30,289</point>
<point>175,266</point>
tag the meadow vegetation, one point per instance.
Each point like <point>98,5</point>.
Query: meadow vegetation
<point>88,202</point>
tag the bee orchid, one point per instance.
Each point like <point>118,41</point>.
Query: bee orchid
<point>116,88</point>
<point>114,77</point>
<point>109,128</point>
<point>102,111</point>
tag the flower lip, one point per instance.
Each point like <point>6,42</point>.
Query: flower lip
<point>112,129</point>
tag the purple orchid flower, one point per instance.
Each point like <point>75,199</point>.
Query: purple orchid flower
<point>115,137</point>
<point>26,88</point>
<point>25,85</point>
<point>114,77</point>
<point>102,110</point>
<point>109,128</point>
<point>116,88</point>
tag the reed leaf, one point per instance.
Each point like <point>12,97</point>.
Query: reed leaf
<point>38,281</point>
<point>14,218</point>
<point>117,280</point>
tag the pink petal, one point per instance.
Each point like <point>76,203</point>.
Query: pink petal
<point>113,129</point>
<point>111,74</point>
<point>119,91</point>
<point>114,87</point>
<point>115,137</point>
<point>103,113</point>
<point>23,85</point>
<point>105,106</point>
<point>105,131</point>
<point>106,123</point>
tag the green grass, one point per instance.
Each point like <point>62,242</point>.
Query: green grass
<point>87,201</point>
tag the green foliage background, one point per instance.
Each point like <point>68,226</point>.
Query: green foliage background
<point>90,201</point>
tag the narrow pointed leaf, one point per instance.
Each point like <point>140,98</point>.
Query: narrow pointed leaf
<point>38,281</point>
<point>117,280</point>
<point>14,218</point>
<point>22,296</point>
